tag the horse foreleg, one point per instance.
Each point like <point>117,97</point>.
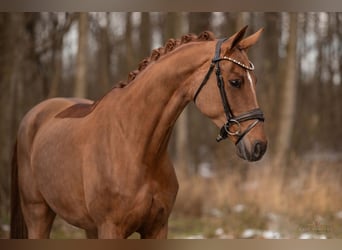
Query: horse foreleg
<point>39,219</point>
<point>108,230</point>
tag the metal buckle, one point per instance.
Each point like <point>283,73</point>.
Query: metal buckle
<point>229,124</point>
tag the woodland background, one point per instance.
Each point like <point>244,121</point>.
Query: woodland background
<point>294,191</point>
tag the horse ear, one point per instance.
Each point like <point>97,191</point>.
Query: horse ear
<point>234,40</point>
<point>249,41</point>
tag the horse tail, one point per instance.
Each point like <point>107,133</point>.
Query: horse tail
<point>18,225</point>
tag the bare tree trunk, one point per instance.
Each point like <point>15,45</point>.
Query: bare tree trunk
<point>57,73</point>
<point>339,91</point>
<point>81,70</point>
<point>20,86</point>
<point>240,21</point>
<point>129,53</point>
<point>57,47</point>
<point>199,22</point>
<point>104,55</point>
<point>145,35</point>
<point>289,94</point>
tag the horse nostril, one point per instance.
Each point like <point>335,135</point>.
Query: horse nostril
<point>258,150</point>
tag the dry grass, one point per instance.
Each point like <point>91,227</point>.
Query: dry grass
<point>307,195</point>
<point>302,197</point>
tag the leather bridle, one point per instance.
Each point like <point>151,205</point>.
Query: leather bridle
<point>254,114</point>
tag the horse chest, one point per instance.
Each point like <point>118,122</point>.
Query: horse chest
<point>150,210</point>
<point>163,198</point>
<point>151,207</point>
<point>159,210</point>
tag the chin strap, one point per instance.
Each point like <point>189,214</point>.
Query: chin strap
<point>232,121</point>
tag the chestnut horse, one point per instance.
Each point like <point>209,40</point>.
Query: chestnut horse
<point>104,167</point>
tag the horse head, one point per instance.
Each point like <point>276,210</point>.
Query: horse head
<point>229,98</point>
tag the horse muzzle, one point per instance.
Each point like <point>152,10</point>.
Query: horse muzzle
<point>251,151</point>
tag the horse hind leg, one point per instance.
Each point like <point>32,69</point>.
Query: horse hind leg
<point>39,219</point>
<point>31,217</point>
<point>37,214</point>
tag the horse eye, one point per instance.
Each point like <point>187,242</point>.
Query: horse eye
<point>235,83</point>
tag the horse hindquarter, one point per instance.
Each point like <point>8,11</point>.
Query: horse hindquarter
<point>33,173</point>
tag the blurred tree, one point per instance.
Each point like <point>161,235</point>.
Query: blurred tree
<point>173,25</point>
<point>145,36</point>
<point>128,56</point>
<point>338,93</point>
<point>58,32</point>
<point>82,56</point>
<point>240,21</point>
<point>233,22</point>
<point>289,95</point>
<point>20,85</point>
<point>104,53</point>
<point>199,22</point>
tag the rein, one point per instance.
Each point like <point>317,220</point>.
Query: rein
<point>254,114</point>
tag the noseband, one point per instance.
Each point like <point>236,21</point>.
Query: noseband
<point>254,114</point>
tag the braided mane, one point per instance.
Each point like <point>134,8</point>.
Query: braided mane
<point>170,45</point>
<point>83,109</point>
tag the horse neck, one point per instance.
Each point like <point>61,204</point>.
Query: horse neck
<point>147,109</point>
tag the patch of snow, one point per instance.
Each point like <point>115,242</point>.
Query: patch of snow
<point>250,233</point>
<point>219,231</point>
<point>271,235</point>
<point>195,237</point>
<point>309,236</point>
<point>226,236</point>
<point>205,170</point>
<point>239,208</point>
<point>216,212</point>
